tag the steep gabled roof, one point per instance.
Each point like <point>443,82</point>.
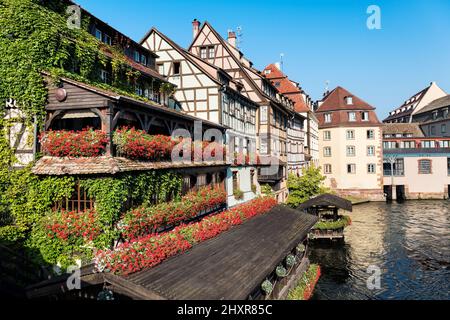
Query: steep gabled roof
<point>243,68</point>
<point>335,101</point>
<point>436,104</point>
<point>201,64</point>
<point>287,87</point>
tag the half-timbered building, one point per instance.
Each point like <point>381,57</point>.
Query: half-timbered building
<point>274,110</point>
<point>208,92</point>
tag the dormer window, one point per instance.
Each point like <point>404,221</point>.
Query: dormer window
<point>349,100</point>
<point>267,71</point>
<point>327,117</point>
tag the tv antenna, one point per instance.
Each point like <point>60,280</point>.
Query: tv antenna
<point>239,36</point>
<point>281,61</point>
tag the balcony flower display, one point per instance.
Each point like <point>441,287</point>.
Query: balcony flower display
<point>138,145</point>
<point>147,220</point>
<point>63,143</point>
<point>148,251</point>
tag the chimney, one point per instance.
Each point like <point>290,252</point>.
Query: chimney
<point>232,38</point>
<point>195,28</point>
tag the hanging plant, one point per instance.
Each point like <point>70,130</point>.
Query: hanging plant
<point>167,89</point>
<point>267,287</point>
<point>301,248</point>
<point>290,260</point>
<point>281,271</point>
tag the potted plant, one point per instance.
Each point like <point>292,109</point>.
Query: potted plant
<point>301,248</point>
<point>238,194</point>
<point>267,287</point>
<point>290,261</point>
<point>281,271</point>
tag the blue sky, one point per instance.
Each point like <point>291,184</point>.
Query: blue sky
<point>321,39</point>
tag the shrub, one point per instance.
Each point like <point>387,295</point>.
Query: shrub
<point>342,222</point>
<point>85,143</point>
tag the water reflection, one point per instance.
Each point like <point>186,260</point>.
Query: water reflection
<point>409,242</point>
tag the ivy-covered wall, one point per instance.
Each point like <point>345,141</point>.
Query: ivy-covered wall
<point>30,199</point>
<point>35,37</point>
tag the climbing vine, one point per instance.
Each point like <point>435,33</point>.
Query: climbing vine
<point>35,38</point>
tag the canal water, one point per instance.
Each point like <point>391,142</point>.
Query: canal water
<point>408,244</point>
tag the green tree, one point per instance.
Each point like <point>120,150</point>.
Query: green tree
<point>308,185</point>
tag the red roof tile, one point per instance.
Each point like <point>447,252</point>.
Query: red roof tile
<point>286,87</point>
<point>335,103</point>
<point>335,100</point>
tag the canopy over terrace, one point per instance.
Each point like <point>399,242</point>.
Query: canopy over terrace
<point>325,201</point>
<point>229,266</point>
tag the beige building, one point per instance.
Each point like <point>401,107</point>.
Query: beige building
<point>350,145</point>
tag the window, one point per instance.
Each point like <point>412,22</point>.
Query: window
<point>389,145</point>
<point>432,130</point>
<point>263,113</point>
<point>327,168</point>
<point>370,134</point>
<point>263,146</point>
<point>211,52</point>
<point>444,144</point>
<point>351,168</point>
<point>98,35</point>
<point>349,100</point>
<point>398,166</point>
<point>143,59</point>
<point>371,168</point>
<point>106,39</point>
<point>235,181</point>
<point>352,116</point>
<point>424,166</point>
<point>327,152</point>
<point>105,76</point>
<point>435,115</point>
<point>327,135</point>
<point>176,68</point>
<point>161,69</point>
<point>407,144</point>
<point>443,128</point>
<point>351,151</point>
<point>203,53</point>
<point>448,166</point>
<point>350,134</point>
<point>428,144</point>
<point>137,56</point>
<point>365,116</point>
<point>277,84</point>
<point>370,151</point>
<point>327,117</point>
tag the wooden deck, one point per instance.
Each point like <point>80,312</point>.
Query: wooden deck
<point>229,266</point>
